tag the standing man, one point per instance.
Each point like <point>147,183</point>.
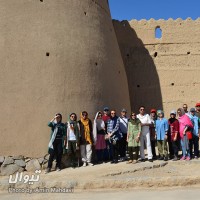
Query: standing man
<point>185,107</point>
<point>114,135</point>
<point>195,134</point>
<point>145,136</point>
<point>197,110</point>
<point>123,127</point>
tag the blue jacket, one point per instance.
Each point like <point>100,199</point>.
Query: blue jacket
<point>161,128</point>
<point>195,121</point>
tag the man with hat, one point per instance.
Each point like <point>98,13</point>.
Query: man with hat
<point>198,110</point>
<point>195,134</point>
<point>123,127</point>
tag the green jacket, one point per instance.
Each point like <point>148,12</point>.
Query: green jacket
<point>62,127</point>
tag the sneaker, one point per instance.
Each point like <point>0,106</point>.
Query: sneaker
<point>175,159</point>
<point>90,164</point>
<point>195,157</point>
<point>129,162</point>
<point>47,170</point>
<point>134,162</point>
<point>58,169</point>
<point>183,158</point>
<point>187,158</point>
<point>150,160</point>
<point>165,159</point>
<point>84,164</point>
<point>161,158</point>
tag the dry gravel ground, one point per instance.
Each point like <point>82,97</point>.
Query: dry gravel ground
<point>118,181</point>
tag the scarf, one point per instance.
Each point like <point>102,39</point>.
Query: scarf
<point>85,123</point>
<point>53,138</point>
<point>172,120</point>
<point>135,121</point>
<point>98,123</point>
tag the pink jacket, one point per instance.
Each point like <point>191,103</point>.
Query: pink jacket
<point>184,121</point>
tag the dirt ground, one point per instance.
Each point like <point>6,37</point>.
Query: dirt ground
<point>116,181</point>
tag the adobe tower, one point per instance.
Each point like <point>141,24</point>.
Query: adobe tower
<point>56,56</point>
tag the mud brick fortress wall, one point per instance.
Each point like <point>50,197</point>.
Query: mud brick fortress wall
<point>162,73</point>
<point>56,56</point>
<point>66,56</point>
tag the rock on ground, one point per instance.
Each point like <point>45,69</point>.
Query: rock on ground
<point>9,169</point>
<point>33,165</point>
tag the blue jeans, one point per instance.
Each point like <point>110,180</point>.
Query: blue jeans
<point>185,146</point>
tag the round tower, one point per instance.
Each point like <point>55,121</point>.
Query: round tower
<point>56,56</point>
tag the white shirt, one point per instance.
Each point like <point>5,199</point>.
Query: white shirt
<point>145,119</point>
<point>71,135</point>
<point>123,124</point>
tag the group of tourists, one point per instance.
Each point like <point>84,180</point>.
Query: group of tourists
<point>110,138</point>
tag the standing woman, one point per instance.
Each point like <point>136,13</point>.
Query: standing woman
<point>73,137</point>
<point>153,117</point>
<point>86,139</point>
<point>161,135</point>
<point>99,134</point>
<point>173,134</point>
<point>56,144</point>
<point>133,137</point>
<point>185,125</point>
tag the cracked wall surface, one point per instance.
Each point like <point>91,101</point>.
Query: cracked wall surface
<point>173,60</point>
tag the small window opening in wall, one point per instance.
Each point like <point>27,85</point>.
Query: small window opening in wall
<point>85,13</point>
<point>172,84</point>
<point>188,53</point>
<point>41,0</point>
<point>47,53</point>
<point>155,54</point>
<point>158,32</point>
<point>138,86</point>
<point>96,63</point>
<point>127,55</point>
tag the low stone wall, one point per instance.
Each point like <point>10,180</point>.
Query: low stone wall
<point>12,164</point>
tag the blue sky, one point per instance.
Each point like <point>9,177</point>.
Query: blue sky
<point>157,9</point>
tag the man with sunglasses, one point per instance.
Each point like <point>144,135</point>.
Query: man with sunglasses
<point>114,135</point>
<point>145,136</point>
<point>195,134</point>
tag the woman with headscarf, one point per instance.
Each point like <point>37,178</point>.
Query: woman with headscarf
<point>56,144</point>
<point>73,137</point>
<point>185,125</point>
<point>133,137</point>
<point>161,135</point>
<point>86,139</point>
<point>99,136</point>
<point>173,135</point>
<point>153,117</point>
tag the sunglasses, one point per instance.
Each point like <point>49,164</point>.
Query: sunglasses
<point>113,113</point>
<point>73,116</point>
<point>142,109</point>
<point>184,107</point>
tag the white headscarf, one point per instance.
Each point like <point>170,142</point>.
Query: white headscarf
<point>98,125</point>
